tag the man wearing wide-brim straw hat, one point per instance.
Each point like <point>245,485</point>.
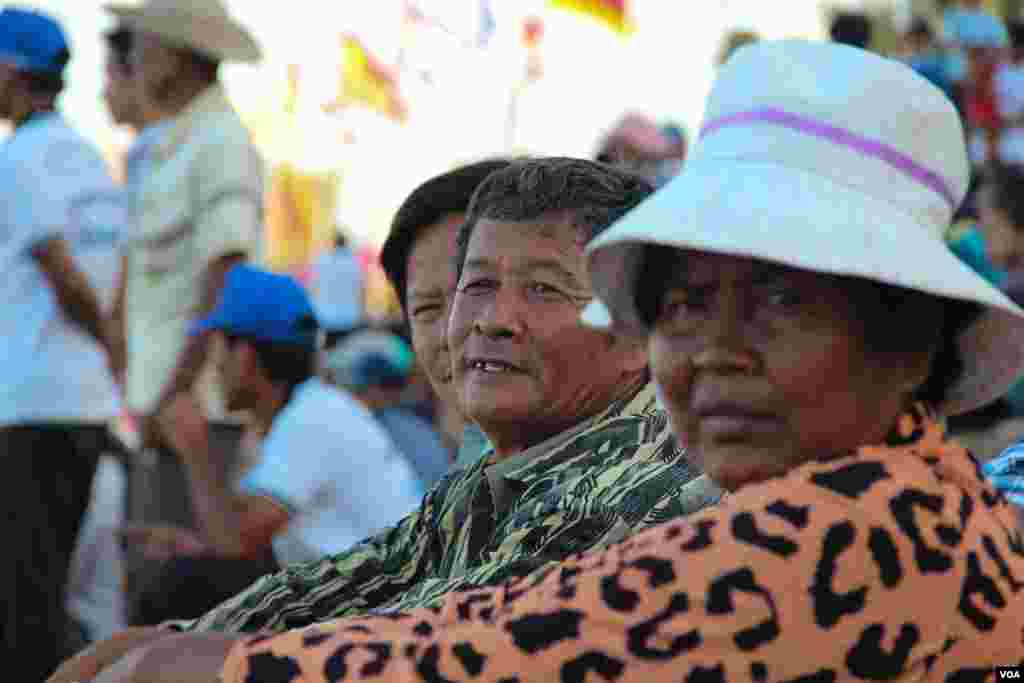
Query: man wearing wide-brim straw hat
<point>199,210</point>
<point>200,25</point>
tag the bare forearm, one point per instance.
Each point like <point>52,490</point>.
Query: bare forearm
<point>117,314</point>
<point>186,372</point>
<point>216,507</point>
<point>192,359</point>
<point>79,303</point>
<point>194,657</point>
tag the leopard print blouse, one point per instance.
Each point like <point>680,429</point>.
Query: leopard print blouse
<point>898,563</point>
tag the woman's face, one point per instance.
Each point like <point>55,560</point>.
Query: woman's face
<point>764,367</point>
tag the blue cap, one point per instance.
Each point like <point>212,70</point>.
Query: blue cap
<point>32,41</point>
<point>264,306</point>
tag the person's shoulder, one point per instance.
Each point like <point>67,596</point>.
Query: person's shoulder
<point>223,126</point>
<point>329,413</point>
<point>54,150</point>
<point>315,397</point>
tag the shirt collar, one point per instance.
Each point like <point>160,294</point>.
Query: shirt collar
<point>213,99</point>
<point>535,461</point>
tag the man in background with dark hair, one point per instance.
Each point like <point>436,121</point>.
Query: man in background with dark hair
<point>851,28</point>
<point>327,476</point>
<point>418,259</point>
<point>61,228</point>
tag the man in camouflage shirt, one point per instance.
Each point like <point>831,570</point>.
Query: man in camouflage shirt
<point>582,454</point>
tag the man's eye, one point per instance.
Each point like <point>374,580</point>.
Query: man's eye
<point>544,290</point>
<point>426,310</point>
<point>480,286</point>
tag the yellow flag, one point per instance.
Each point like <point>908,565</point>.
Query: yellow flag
<point>612,13</point>
<point>364,80</point>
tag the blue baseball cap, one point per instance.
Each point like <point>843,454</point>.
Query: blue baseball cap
<point>264,306</point>
<point>32,41</point>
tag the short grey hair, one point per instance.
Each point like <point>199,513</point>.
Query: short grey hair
<point>596,194</point>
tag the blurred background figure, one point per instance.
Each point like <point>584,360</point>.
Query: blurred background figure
<point>993,246</point>
<point>375,366</point>
<point>339,289</point>
<point>925,56</point>
<point>975,39</point>
<point>1009,95</point>
<point>199,204</point>
<point>639,144</point>
<point>851,28</point>
<point>62,227</point>
<point>326,477</point>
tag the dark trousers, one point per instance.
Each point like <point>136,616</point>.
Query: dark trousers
<point>158,493</point>
<point>188,587</point>
<point>45,486</point>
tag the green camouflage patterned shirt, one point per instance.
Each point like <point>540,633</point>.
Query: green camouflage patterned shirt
<point>618,472</point>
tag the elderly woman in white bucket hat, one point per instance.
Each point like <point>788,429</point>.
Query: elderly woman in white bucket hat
<point>858,541</point>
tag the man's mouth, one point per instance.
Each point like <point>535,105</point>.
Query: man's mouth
<point>491,366</point>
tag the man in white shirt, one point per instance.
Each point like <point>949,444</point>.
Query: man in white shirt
<point>198,211</point>
<point>328,475</point>
<point>62,223</point>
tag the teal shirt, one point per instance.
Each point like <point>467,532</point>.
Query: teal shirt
<point>473,447</point>
<point>970,248</point>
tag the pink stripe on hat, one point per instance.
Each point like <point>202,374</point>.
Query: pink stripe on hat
<point>840,136</point>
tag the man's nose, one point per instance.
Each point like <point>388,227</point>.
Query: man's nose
<point>503,315</point>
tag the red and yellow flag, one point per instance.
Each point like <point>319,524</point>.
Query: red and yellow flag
<point>612,13</point>
<point>365,80</point>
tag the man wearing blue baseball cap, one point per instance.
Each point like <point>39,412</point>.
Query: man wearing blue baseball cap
<point>61,227</point>
<point>327,476</point>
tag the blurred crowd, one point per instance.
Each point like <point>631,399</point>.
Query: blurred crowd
<point>194,443</point>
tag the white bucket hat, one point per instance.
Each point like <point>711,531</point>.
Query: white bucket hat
<point>831,159</point>
<point>202,25</point>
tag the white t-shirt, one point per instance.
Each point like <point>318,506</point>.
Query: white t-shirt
<point>338,284</point>
<point>53,183</point>
<point>333,466</point>
<point>1009,86</point>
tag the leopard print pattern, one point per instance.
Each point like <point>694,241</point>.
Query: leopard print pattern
<point>899,563</point>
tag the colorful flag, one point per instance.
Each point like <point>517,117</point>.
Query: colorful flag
<point>365,80</point>
<point>612,13</point>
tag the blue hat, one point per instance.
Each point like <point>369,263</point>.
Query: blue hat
<point>264,306</point>
<point>32,41</point>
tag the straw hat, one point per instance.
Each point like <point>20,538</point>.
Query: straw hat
<point>202,25</point>
<point>826,158</point>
